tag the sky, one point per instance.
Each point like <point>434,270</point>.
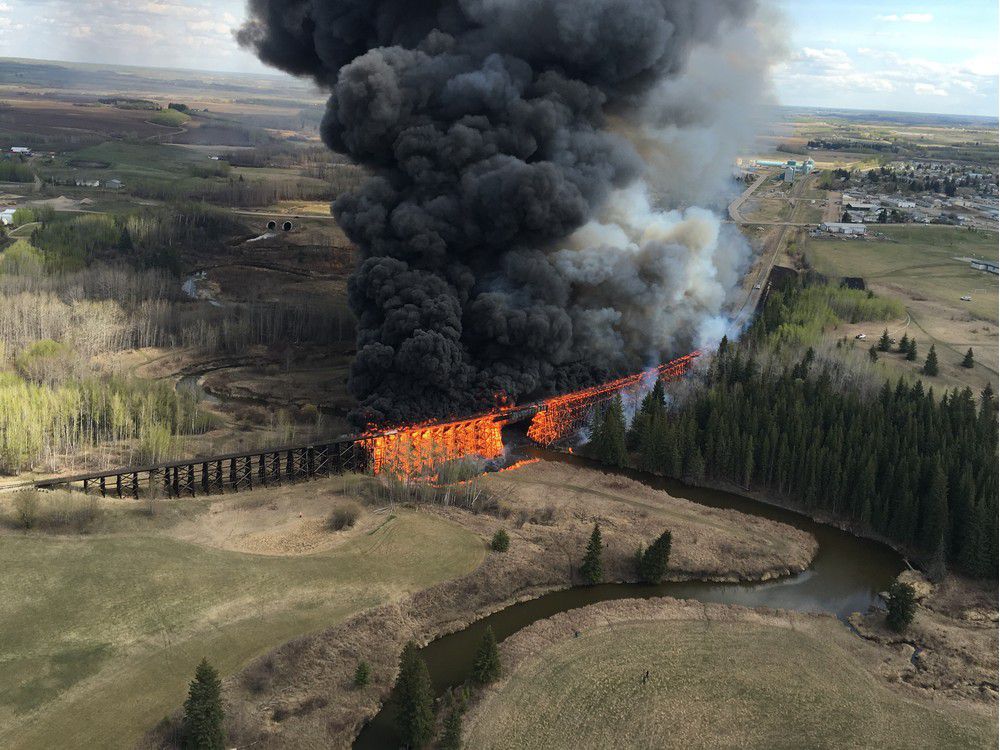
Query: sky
<point>937,56</point>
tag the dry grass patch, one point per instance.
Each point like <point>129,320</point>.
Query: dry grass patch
<point>719,677</point>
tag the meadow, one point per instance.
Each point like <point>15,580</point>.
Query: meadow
<point>103,629</point>
<point>714,681</point>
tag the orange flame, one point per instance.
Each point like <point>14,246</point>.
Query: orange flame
<point>420,450</point>
<point>562,416</point>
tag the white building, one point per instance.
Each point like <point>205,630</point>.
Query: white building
<point>986,265</point>
<point>839,227</point>
<point>7,216</point>
<point>24,150</point>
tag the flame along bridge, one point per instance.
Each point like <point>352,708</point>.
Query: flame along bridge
<point>408,451</point>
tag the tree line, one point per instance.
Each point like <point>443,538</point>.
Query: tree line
<point>908,465</point>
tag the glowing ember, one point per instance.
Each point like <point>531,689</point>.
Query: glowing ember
<point>519,464</point>
<point>562,416</point>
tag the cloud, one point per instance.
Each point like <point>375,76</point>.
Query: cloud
<point>907,18</point>
<point>927,89</point>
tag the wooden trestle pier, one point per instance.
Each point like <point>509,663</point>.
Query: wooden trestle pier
<point>217,474</point>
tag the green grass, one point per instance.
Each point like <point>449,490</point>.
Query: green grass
<point>712,684</point>
<point>101,635</point>
<point>141,160</point>
<point>918,260</point>
<point>170,118</point>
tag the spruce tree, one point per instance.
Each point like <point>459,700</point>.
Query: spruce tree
<point>362,675</point>
<point>904,344</point>
<point>696,466</point>
<point>873,354</point>
<point>451,736</point>
<point>902,604</point>
<point>607,441</point>
<point>591,568</point>
<point>500,541</point>
<point>486,665</point>
<point>885,342</point>
<point>911,351</point>
<point>930,367</point>
<point>654,560</point>
<point>415,714</point>
<point>203,710</point>
<point>968,362</point>
<point>934,510</point>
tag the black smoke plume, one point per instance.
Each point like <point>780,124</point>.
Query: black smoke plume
<point>489,128</point>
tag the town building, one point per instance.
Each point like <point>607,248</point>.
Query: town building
<point>114,184</point>
<point>22,150</point>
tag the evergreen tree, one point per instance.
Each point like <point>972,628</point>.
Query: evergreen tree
<point>873,354</point>
<point>451,736</point>
<point>591,569</point>
<point>486,665</point>
<point>203,710</point>
<point>500,541</point>
<point>695,470</point>
<point>362,675</point>
<point>654,560</point>
<point>930,367</point>
<point>968,362</point>
<point>904,344</point>
<point>902,604</point>
<point>934,510</point>
<point>415,714</point>
<point>607,441</point>
<point>911,351</point>
<point>885,342</point>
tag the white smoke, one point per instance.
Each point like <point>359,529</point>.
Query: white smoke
<point>650,281</point>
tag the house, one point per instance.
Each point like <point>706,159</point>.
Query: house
<point>839,227</point>
<point>20,150</point>
<point>114,184</point>
<point>7,216</point>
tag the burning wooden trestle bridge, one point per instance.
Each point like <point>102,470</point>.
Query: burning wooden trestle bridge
<point>413,450</point>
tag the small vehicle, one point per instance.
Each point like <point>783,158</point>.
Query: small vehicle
<point>861,336</point>
<point>966,298</point>
<point>756,286</point>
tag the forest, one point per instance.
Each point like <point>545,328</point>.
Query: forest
<point>904,464</point>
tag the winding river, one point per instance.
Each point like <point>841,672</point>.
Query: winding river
<point>845,577</point>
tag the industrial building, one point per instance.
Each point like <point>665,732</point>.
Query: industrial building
<point>840,227</point>
<point>990,266</point>
<point>792,168</point>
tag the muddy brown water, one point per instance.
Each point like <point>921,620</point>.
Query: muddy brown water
<point>845,577</point>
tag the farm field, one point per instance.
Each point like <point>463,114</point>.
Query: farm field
<point>107,627</point>
<point>717,678</point>
<point>918,266</point>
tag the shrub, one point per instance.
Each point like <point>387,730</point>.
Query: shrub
<point>343,517</point>
<point>26,508</point>
<point>500,541</point>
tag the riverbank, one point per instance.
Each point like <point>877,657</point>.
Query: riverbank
<point>301,694</point>
<point>578,679</point>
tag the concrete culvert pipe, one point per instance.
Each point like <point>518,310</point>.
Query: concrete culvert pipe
<point>272,225</point>
<point>287,226</point>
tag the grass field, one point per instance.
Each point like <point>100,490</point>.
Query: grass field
<point>170,118</point>
<point>101,634</point>
<point>713,683</point>
<point>917,266</point>
<point>919,260</point>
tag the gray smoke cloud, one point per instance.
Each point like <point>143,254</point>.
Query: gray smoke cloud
<point>509,244</point>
